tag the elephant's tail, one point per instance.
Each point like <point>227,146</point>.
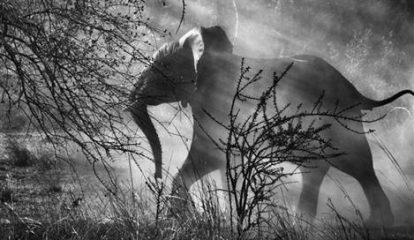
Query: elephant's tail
<point>369,104</point>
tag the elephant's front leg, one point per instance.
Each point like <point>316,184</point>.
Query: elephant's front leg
<point>203,158</point>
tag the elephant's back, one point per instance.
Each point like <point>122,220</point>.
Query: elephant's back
<point>311,78</point>
<point>306,79</point>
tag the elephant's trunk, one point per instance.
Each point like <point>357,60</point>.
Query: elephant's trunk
<point>141,117</point>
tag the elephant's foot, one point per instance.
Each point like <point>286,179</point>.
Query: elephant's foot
<point>380,220</point>
<point>305,219</point>
<point>181,206</point>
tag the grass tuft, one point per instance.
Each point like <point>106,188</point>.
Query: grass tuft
<point>18,154</point>
<point>6,194</point>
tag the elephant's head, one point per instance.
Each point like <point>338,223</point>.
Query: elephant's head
<point>172,77</point>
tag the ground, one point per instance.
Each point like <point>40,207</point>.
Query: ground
<point>40,199</point>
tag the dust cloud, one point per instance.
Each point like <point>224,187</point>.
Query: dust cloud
<point>370,42</point>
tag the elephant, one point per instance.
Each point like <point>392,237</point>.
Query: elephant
<point>200,69</point>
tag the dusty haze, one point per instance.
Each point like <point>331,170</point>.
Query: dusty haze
<point>370,42</point>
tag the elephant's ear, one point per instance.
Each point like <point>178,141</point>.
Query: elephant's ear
<point>193,40</point>
<point>188,50</point>
<point>206,39</point>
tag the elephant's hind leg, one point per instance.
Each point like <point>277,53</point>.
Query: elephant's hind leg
<point>359,165</point>
<point>381,213</point>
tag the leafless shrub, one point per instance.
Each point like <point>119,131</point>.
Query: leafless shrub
<point>72,64</point>
<point>258,144</point>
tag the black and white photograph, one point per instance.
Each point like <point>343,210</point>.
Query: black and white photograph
<point>207,119</point>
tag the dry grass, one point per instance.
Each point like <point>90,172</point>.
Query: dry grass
<point>40,201</point>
